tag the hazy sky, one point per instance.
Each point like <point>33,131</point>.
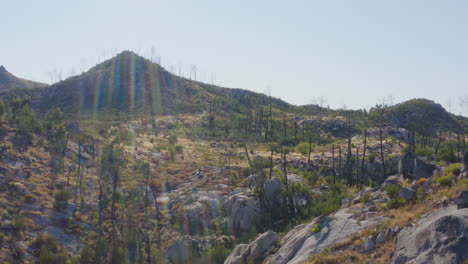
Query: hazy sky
<point>350,52</point>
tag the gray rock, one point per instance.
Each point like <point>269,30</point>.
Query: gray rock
<point>243,213</point>
<point>368,244</point>
<point>184,250</point>
<point>70,242</point>
<point>423,169</point>
<point>300,243</point>
<point>395,179</point>
<point>201,210</point>
<point>272,194</point>
<point>389,232</point>
<point>406,165</point>
<point>345,203</point>
<point>381,237</point>
<point>439,237</point>
<point>407,193</point>
<point>462,200</point>
<point>256,251</point>
<point>413,168</point>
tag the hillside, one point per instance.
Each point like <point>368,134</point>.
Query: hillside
<point>128,163</point>
<point>8,81</point>
<point>129,85</point>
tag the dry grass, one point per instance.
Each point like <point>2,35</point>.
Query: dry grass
<point>348,256</point>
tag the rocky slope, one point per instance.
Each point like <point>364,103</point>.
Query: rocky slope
<point>438,231</point>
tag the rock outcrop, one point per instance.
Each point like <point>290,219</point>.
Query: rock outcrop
<point>439,237</point>
<point>254,252</point>
<point>462,200</point>
<point>302,242</point>
<point>199,209</point>
<point>407,193</point>
<point>413,168</point>
<point>243,212</point>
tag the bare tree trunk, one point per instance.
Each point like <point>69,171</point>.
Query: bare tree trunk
<point>333,165</point>
<point>284,125</point>
<point>310,150</point>
<point>439,140</point>
<point>357,166</point>
<point>381,153</point>
<point>364,155</point>
<point>247,153</point>
<point>339,162</point>
<point>79,172</point>
<point>271,165</point>
<point>285,170</point>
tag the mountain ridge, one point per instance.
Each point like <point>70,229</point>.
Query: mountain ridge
<point>9,81</point>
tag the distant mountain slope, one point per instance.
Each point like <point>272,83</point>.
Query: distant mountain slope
<point>421,114</point>
<point>129,85</point>
<point>9,81</point>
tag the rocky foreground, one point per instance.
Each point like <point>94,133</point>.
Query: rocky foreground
<point>439,236</point>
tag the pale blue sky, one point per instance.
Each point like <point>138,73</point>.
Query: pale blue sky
<point>352,52</point>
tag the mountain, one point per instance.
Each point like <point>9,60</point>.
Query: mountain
<point>130,85</point>
<point>9,81</point>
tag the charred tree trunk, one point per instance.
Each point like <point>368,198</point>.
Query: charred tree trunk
<point>364,155</point>
<point>333,165</point>
<point>381,152</point>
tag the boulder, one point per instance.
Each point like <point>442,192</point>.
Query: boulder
<point>381,237</point>
<point>439,237</point>
<point>413,168</point>
<point>256,251</point>
<point>462,200</point>
<point>406,165</point>
<point>184,250</point>
<point>391,180</point>
<point>368,244</point>
<point>243,213</point>
<point>203,208</point>
<point>407,193</point>
<point>423,169</point>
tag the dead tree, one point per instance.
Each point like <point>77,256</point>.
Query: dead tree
<point>382,151</point>
<point>364,155</point>
<point>333,165</point>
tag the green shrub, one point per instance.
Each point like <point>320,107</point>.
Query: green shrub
<point>446,155</point>
<point>454,169</point>
<point>463,183</point>
<point>46,256</point>
<point>19,223</point>
<point>427,151</point>
<point>366,198</point>
<point>392,190</point>
<point>218,254</point>
<point>444,180</point>
<point>44,240</point>
<point>303,148</point>
<point>372,157</point>
<point>315,228</point>
<point>172,139</point>
<point>179,149</point>
<point>395,203</point>
<point>2,238</point>
<point>61,199</point>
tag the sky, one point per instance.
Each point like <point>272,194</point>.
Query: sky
<point>351,53</point>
